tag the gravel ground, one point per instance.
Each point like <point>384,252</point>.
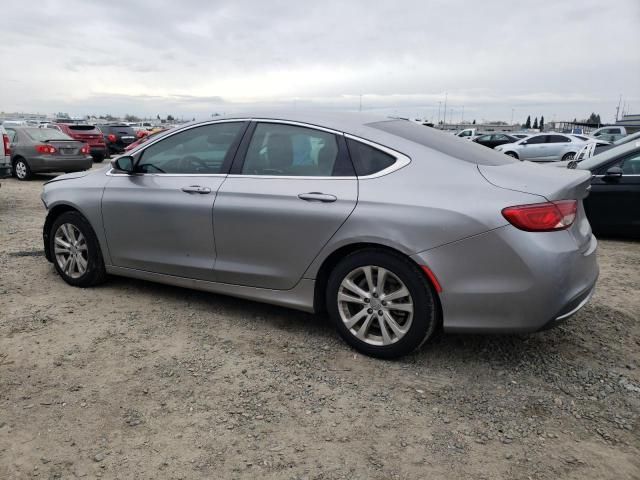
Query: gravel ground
<point>138,380</point>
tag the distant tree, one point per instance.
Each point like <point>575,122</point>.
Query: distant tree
<point>170,118</point>
<point>535,123</point>
<point>594,118</point>
<point>528,122</point>
<point>110,118</point>
<point>194,119</point>
<point>474,121</point>
<point>158,116</point>
<point>131,118</point>
<point>542,123</point>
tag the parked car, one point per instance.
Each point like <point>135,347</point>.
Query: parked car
<point>543,147</point>
<point>358,214</point>
<point>610,134</point>
<point>5,154</point>
<point>88,134</point>
<point>35,150</point>
<point>467,133</point>
<point>612,204</point>
<point>492,140</point>
<point>117,137</point>
<point>520,135</point>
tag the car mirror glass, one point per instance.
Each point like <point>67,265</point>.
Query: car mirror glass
<point>123,164</point>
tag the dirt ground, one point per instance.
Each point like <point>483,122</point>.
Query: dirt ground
<point>138,380</point>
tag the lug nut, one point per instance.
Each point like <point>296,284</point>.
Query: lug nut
<point>370,310</point>
<point>384,303</point>
<point>366,300</point>
<point>380,312</point>
<point>375,295</point>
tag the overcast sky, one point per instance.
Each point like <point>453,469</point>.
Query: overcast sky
<point>192,58</point>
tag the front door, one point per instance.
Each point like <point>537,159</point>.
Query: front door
<point>613,203</point>
<point>533,148</point>
<point>290,193</point>
<point>160,219</point>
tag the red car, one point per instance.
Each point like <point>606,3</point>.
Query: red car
<point>143,139</point>
<point>88,134</point>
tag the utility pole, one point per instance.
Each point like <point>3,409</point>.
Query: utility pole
<point>445,108</point>
<point>439,106</point>
<point>618,107</point>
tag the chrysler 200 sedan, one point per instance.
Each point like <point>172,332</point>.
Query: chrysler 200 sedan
<point>395,229</point>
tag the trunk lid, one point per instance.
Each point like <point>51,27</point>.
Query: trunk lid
<point>66,147</point>
<point>550,183</point>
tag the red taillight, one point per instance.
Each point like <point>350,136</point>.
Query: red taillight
<point>542,217</point>
<point>47,149</point>
<point>7,144</point>
<point>111,137</point>
<point>85,149</point>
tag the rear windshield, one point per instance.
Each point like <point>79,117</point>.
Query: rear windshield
<point>443,142</point>
<point>44,134</point>
<point>81,127</point>
<point>120,129</point>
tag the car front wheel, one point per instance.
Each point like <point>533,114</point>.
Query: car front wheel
<point>381,303</point>
<point>75,251</point>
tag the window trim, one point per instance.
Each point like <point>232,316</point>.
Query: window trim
<point>237,161</point>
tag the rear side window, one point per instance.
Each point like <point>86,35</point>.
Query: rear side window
<point>538,139</point>
<point>557,139</point>
<point>368,160</point>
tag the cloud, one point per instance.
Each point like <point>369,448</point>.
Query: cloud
<point>565,58</point>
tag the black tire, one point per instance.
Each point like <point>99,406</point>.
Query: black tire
<point>98,157</point>
<point>21,165</point>
<point>512,154</point>
<point>95,272</point>
<point>568,156</point>
<point>426,316</point>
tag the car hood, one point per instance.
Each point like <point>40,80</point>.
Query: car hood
<point>506,145</point>
<point>528,177</point>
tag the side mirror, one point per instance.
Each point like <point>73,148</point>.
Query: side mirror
<point>524,143</point>
<point>613,172</point>
<point>123,164</point>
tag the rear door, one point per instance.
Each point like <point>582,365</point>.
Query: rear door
<point>160,219</point>
<point>557,146</point>
<point>291,189</point>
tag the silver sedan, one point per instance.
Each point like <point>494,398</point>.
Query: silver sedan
<point>544,147</point>
<point>395,229</point>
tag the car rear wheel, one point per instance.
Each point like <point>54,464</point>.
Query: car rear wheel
<point>98,157</point>
<point>21,169</point>
<point>381,303</point>
<point>75,251</point>
<point>568,156</point>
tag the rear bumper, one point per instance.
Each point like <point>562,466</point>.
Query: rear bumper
<point>53,164</point>
<point>507,280</point>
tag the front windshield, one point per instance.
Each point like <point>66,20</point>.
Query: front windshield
<point>607,155</point>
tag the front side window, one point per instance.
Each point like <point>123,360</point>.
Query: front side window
<point>290,150</point>
<point>631,165</point>
<point>199,150</point>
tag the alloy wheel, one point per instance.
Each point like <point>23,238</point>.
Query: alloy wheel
<point>21,170</point>
<point>375,305</point>
<point>70,249</point>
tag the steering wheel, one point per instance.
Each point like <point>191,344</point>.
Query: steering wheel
<point>192,160</point>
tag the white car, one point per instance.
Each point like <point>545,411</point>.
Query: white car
<point>543,147</point>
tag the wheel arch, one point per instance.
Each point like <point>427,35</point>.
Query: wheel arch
<point>512,153</point>
<point>329,263</point>
<point>55,212</point>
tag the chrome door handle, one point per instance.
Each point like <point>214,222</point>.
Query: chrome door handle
<point>317,197</point>
<point>196,189</point>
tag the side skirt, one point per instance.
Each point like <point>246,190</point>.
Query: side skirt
<point>299,297</point>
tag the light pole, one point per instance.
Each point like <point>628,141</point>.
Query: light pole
<point>439,106</point>
<point>445,108</point>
